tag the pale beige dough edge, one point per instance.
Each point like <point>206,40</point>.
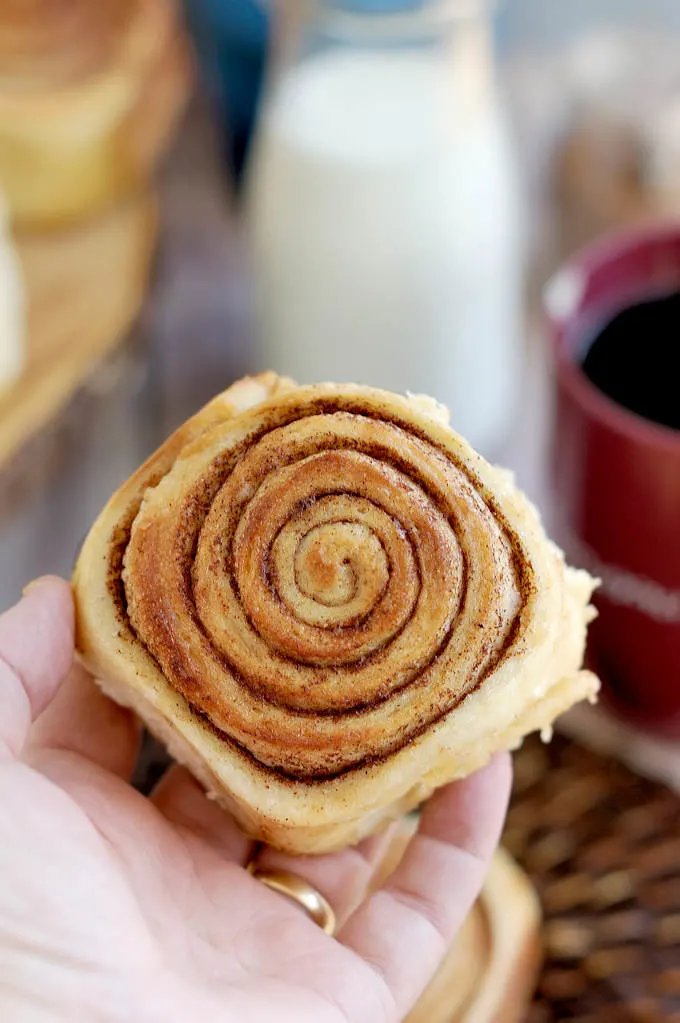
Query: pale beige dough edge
<point>525,693</point>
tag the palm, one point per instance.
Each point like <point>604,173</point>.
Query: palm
<point>147,912</point>
<point>116,907</point>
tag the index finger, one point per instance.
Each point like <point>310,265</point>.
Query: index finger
<point>36,652</point>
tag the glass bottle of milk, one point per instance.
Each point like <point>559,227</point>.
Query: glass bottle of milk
<point>383,208</point>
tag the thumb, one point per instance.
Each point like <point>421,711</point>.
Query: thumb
<point>36,652</point>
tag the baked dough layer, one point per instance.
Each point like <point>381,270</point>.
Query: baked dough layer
<point>327,605</point>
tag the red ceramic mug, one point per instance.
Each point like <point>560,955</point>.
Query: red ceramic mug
<point>616,480</point>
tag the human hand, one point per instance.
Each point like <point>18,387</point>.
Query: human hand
<point>116,907</point>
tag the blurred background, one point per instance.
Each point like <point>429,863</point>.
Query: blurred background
<point>369,190</point>
<point>398,238</point>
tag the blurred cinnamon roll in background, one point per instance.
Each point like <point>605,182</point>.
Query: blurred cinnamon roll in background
<point>89,95</point>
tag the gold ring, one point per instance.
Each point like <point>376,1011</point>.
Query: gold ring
<point>299,891</point>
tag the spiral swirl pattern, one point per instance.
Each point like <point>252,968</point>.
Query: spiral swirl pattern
<point>320,580</point>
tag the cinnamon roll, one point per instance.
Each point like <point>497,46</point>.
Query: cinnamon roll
<point>327,605</point>
<point>89,94</point>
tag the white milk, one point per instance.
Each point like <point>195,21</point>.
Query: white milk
<point>384,227</point>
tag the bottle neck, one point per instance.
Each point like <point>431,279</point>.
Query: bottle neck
<point>380,22</point>
<point>396,22</point>
<point>456,33</point>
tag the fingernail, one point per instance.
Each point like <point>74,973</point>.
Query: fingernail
<point>36,584</point>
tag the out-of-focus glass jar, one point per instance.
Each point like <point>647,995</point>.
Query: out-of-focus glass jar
<point>386,228</point>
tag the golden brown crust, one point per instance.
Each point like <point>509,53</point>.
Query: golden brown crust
<point>89,95</point>
<point>327,605</point>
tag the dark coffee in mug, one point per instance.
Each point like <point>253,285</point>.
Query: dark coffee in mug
<point>635,360</point>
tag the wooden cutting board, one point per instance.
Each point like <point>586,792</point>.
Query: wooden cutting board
<point>85,288</point>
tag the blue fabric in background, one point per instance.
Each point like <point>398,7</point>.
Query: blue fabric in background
<point>231,38</point>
